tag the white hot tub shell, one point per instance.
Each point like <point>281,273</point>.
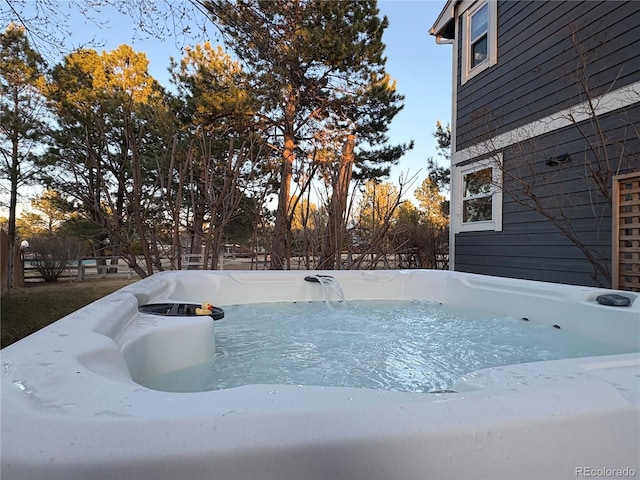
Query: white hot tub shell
<point>74,405</point>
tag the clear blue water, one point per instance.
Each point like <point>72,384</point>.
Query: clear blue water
<point>397,345</point>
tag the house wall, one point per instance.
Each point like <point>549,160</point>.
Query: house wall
<point>539,72</point>
<point>530,245</point>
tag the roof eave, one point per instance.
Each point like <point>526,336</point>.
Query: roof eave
<point>443,29</point>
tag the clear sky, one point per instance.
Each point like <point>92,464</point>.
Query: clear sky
<point>421,68</point>
<point>423,72</point>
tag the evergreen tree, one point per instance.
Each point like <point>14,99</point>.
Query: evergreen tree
<point>218,107</point>
<point>113,122</point>
<point>22,109</point>
<point>440,176</point>
<point>318,70</point>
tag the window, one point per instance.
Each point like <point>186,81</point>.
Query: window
<point>479,38</point>
<point>479,196</point>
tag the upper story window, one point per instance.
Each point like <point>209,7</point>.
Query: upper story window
<point>479,38</point>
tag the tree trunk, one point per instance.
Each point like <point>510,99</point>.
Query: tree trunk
<point>174,203</point>
<point>279,241</point>
<point>136,198</point>
<point>331,255</point>
<point>197,236</point>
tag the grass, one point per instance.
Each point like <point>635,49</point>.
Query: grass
<point>28,309</point>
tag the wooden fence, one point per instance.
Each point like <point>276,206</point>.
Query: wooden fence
<point>81,269</point>
<point>103,267</point>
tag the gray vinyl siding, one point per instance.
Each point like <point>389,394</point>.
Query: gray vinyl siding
<point>538,68</point>
<point>538,73</point>
<point>530,246</point>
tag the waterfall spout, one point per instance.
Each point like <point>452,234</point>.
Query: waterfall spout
<point>330,288</point>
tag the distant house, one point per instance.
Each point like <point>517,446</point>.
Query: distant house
<point>545,167</point>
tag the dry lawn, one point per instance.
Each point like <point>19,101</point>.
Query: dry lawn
<point>32,307</point>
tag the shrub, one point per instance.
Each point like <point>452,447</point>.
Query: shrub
<point>51,255</point>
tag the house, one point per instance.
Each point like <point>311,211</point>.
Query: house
<point>545,130</point>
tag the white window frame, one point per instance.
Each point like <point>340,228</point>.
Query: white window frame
<point>492,38</point>
<point>495,224</point>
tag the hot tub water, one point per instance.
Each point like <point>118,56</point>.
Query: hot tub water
<point>405,346</point>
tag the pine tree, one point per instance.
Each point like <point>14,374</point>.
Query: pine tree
<point>318,71</point>
<point>21,112</point>
<point>111,115</point>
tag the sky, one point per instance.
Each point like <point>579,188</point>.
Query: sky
<point>421,68</point>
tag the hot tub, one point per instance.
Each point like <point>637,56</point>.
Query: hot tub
<point>74,404</point>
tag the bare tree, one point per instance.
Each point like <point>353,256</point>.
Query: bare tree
<point>341,181</point>
<point>564,186</point>
<point>52,255</point>
<point>373,220</point>
<point>49,24</point>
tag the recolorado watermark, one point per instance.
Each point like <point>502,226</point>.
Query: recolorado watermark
<point>605,472</point>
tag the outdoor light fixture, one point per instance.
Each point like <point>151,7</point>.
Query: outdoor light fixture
<point>555,161</point>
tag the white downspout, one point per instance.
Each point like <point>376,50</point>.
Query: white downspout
<point>453,193</point>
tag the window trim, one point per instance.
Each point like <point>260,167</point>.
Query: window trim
<point>495,224</point>
<point>467,72</point>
